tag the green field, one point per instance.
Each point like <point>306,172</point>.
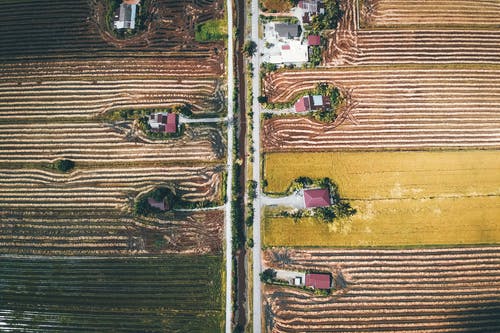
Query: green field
<point>402,198</point>
<point>170,294</point>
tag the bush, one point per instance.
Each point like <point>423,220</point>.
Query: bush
<point>268,275</point>
<point>249,48</point>
<point>262,99</point>
<point>64,165</point>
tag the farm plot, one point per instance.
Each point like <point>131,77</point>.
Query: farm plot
<point>422,290</point>
<point>61,29</point>
<point>479,14</point>
<point>402,198</point>
<point>92,143</point>
<point>390,108</point>
<point>91,210</point>
<point>168,294</point>
<point>389,47</point>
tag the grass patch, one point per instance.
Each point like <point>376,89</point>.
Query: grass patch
<point>401,198</point>
<point>210,31</point>
<point>276,6</point>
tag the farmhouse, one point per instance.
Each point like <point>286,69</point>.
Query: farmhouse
<point>125,15</point>
<point>314,102</point>
<point>318,281</point>
<point>161,205</point>
<point>317,198</point>
<point>287,30</point>
<point>163,122</point>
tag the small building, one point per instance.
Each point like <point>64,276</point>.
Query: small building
<point>303,104</point>
<point>318,281</point>
<point>297,281</point>
<point>317,198</point>
<point>161,205</point>
<point>125,15</point>
<point>287,30</point>
<point>314,102</point>
<point>313,40</point>
<point>163,122</point>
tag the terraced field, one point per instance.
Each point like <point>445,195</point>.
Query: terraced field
<point>167,294</point>
<point>422,290</point>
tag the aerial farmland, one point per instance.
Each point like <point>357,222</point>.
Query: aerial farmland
<point>111,223</point>
<point>409,242</point>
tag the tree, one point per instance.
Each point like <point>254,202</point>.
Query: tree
<point>268,275</point>
<point>249,48</point>
<point>64,165</point>
<point>262,99</point>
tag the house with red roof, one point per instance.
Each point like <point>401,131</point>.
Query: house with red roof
<point>161,205</point>
<point>317,198</point>
<point>314,102</point>
<point>318,281</point>
<point>163,122</point>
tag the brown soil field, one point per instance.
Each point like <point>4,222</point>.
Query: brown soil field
<point>424,290</point>
<point>61,72</point>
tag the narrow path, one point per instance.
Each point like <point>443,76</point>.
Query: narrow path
<point>229,166</point>
<point>185,120</point>
<point>257,297</point>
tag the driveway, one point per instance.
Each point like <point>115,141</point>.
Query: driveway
<point>295,200</point>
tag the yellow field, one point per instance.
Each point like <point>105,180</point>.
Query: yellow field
<point>402,198</point>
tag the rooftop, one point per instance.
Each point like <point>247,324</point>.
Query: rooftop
<point>318,281</point>
<point>317,198</point>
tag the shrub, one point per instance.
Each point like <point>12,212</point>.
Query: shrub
<point>64,165</point>
<point>249,48</point>
<point>268,275</point>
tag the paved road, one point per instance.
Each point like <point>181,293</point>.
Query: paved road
<point>257,299</point>
<point>229,166</point>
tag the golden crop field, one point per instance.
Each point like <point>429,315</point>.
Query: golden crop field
<point>402,198</point>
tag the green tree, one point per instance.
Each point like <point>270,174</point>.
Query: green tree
<point>249,48</point>
<point>64,165</point>
<point>268,275</point>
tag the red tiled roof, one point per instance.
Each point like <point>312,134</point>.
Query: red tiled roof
<point>157,204</point>
<point>313,40</point>
<point>318,281</point>
<point>317,198</point>
<point>171,123</point>
<point>303,104</point>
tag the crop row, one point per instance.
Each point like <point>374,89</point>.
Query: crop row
<point>401,13</point>
<point>387,47</point>
<point>428,290</point>
<point>85,99</point>
<point>108,231</point>
<point>96,142</point>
